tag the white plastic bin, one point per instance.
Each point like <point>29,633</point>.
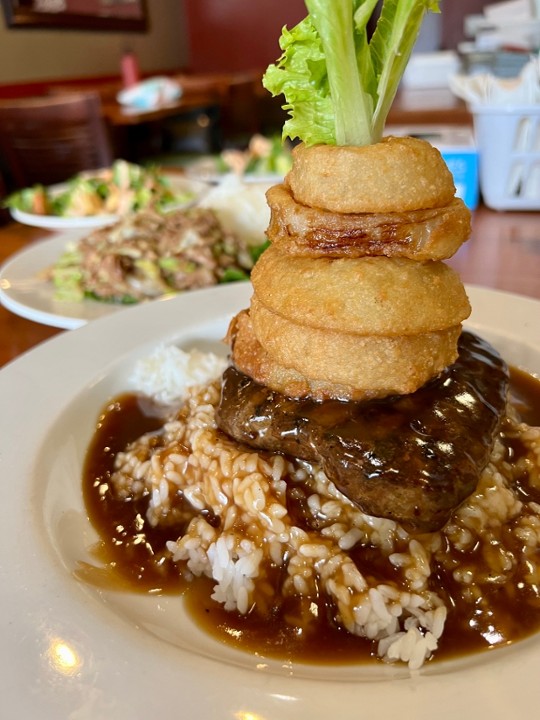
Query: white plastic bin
<point>508,142</point>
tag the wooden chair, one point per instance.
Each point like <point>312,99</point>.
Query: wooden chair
<point>49,139</point>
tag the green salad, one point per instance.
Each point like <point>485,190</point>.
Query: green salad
<point>148,254</point>
<point>264,156</point>
<point>124,187</point>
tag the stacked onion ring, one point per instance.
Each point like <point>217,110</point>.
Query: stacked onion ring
<point>353,299</point>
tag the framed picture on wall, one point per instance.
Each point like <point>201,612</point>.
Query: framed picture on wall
<point>116,15</point>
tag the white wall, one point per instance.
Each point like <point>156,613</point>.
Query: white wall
<point>37,54</point>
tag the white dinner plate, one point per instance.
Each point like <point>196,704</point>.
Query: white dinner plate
<point>177,184</point>
<point>25,291</point>
<point>216,178</point>
<point>207,170</point>
<point>69,650</point>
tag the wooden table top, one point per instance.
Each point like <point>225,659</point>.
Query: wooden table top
<point>119,116</point>
<point>198,90</point>
<point>434,106</point>
<point>502,253</point>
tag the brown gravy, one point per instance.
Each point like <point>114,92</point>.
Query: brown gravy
<point>134,559</point>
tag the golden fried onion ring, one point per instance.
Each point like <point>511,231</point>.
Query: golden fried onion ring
<point>326,365</point>
<point>396,174</point>
<point>367,296</point>
<point>371,363</point>
<point>432,234</point>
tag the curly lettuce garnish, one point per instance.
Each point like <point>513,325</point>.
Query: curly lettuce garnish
<point>338,83</point>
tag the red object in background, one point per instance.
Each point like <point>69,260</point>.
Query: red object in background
<point>129,66</point>
<point>236,35</point>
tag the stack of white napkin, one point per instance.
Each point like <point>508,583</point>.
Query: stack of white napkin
<point>487,89</point>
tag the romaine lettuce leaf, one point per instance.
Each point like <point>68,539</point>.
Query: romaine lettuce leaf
<point>338,84</point>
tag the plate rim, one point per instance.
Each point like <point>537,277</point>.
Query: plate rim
<point>54,246</point>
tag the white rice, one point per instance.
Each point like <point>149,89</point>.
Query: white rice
<point>241,207</point>
<point>404,616</point>
<point>168,373</point>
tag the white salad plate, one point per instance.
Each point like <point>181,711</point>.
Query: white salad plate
<point>58,222</point>
<point>177,184</point>
<point>70,650</point>
<point>25,290</point>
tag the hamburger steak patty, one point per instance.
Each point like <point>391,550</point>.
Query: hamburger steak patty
<point>411,458</point>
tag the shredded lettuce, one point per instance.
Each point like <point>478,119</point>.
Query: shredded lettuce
<point>338,83</point>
